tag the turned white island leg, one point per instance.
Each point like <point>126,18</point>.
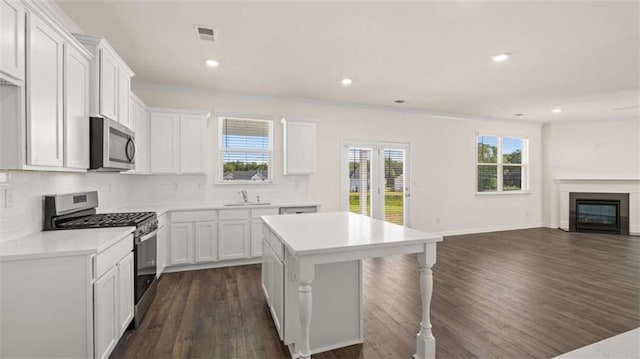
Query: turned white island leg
<point>305,306</point>
<point>425,341</point>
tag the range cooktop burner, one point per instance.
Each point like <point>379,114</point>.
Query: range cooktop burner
<point>108,220</point>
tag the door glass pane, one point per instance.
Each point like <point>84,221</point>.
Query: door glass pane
<point>360,180</point>
<point>394,162</point>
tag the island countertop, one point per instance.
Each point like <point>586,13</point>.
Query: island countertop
<point>327,232</point>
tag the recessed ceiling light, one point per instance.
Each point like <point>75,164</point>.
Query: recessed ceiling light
<point>212,63</point>
<point>500,57</point>
<point>556,110</point>
<point>518,114</point>
<point>346,82</point>
<point>399,101</point>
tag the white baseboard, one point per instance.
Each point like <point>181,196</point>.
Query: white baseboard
<point>487,230</point>
<point>238,262</point>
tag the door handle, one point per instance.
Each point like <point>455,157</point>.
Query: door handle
<point>130,149</point>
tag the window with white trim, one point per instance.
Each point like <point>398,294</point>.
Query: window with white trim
<point>502,164</point>
<point>246,150</point>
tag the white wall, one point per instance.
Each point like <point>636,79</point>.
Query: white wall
<point>443,160</point>
<point>587,150</point>
<point>25,217</point>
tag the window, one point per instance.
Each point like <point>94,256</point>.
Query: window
<point>502,164</point>
<point>245,149</point>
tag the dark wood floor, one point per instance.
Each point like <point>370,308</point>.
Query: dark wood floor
<point>517,294</point>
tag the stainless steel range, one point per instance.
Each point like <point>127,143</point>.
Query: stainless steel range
<point>78,211</point>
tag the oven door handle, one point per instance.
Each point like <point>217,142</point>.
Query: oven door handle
<point>146,236</point>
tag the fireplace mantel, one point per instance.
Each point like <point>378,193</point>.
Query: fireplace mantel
<point>601,185</point>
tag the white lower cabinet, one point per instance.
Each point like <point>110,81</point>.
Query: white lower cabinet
<point>112,305</point>
<point>336,297</point>
<point>194,237</point>
<point>206,243</point>
<point>105,299</point>
<point>211,236</point>
<point>234,239</point>
<point>125,293</point>
<point>181,243</point>
<point>76,306</point>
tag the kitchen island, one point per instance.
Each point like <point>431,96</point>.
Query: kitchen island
<point>326,248</point>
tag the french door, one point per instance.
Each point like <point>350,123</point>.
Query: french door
<point>376,180</point>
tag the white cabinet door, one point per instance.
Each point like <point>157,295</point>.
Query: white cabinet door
<point>206,242</point>
<point>140,122</point>
<point>181,248</point>
<point>276,295</point>
<point>12,17</point>
<point>105,302</point>
<point>233,239</point>
<point>108,98</point>
<point>193,144</point>
<point>125,293</point>
<point>161,250</point>
<point>256,237</point>
<point>76,109</point>
<point>266,275</point>
<point>124,92</point>
<point>299,148</point>
<point>164,142</point>
<point>44,95</point>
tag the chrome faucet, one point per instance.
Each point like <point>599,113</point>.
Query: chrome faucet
<point>244,196</point>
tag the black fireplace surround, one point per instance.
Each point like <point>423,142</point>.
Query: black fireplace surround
<point>599,212</point>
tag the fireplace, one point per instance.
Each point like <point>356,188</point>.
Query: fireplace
<point>599,212</point>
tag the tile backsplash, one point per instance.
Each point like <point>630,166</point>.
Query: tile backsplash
<point>23,214</point>
<point>202,189</point>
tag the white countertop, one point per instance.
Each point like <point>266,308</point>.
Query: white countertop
<point>335,231</point>
<point>57,243</point>
<point>161,209</point>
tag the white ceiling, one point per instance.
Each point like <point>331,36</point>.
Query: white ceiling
<point>582,56</point>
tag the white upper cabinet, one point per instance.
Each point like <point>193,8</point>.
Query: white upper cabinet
<point>110,80</point>
<point>139,119</point>
<point>193,144</point>
<point>299,147</point>
<point>108,85</point>
<point>12,17</point>
<point>124,93</point>
<point>44,94</point>
<point>163,141</point>
<point>178,141</point>
<point>45,123</point>
<point>76,109</point>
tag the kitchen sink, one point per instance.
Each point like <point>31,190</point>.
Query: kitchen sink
<point>241,204</point>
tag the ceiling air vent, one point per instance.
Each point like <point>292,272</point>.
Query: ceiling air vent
<point>206,33</point>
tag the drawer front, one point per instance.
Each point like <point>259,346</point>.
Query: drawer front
<point>232,214</point>
<point>256,213</point>
<point>193,216</point>
<point>108,259</point>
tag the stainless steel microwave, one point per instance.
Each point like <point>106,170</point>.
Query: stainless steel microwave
<point>113,146</point>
